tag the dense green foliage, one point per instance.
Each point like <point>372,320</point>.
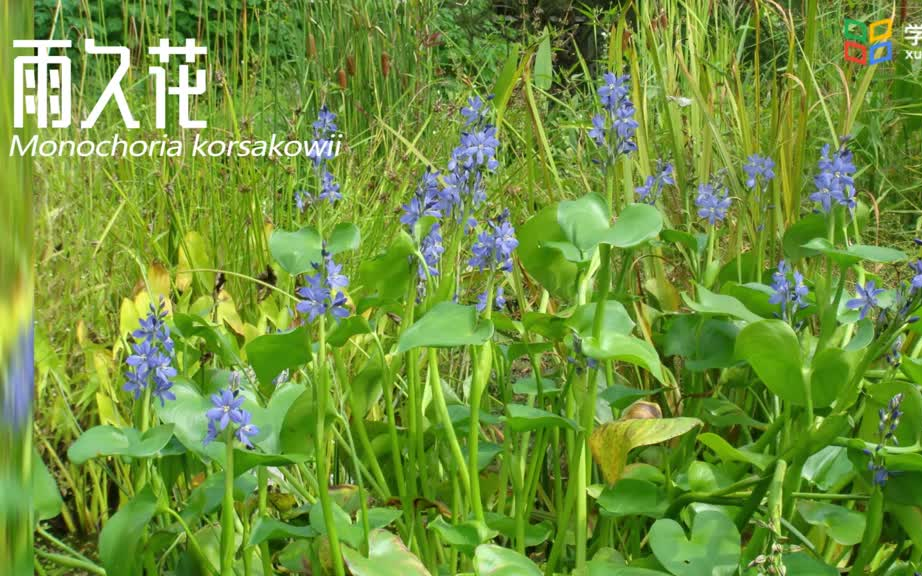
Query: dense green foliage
<point>608,373</point>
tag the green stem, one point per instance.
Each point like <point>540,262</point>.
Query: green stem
<point>445,420</point>
<point>482,365</point>
<point>227,513</point>
<point>322,390</point>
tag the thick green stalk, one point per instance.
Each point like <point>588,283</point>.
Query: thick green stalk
<point>322,389</point>
<point>442,409</point>
<point>483,363</point>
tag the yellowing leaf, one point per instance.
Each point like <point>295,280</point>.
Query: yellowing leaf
<point>158,280</point>
<point>194,254</point>
<point>612,442</point>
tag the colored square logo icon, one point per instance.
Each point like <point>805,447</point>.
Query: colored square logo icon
<point>868,44</point>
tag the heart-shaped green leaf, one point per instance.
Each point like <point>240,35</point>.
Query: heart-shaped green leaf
<point>712,550</point>
<point>843,525</point>
<point>296,251</point>
<point>856,252</point>
<point>492,560</point>
<point>544,263</point>
<point>632,497</point>
<point>614,346</point>
<point>271,354</point>
<point>635,225</point>
<point>772,349</point>
<point>446,325</point>
<point>267,528</point>
<point>583,220</point>
<point>345,236</point>
<point>719,304</point>
<point>611,442</point>
<point>387,556</point>
<point>111,441</point>
<point>465,536</point>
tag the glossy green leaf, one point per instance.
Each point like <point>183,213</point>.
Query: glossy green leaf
<point>631,497</point>
<point>387,276</point>
<point>120,539</point>
<point>296,251</point>
<point>345,237</point>
<point>523,418</point>
<point>387,556</point>
<point>773,351</point>
<point>635,225</point>
<point>729,453</point>
<point>828,468</point>
<point>620,397</point>
<point>583,220</point>
<point>544,263</point>
<point>446,325</point>
<point>614,346</point>
<point>46,497</point>
<point>346,329</point>
<point>843,525</point>
<point>102,441</point>
<point>267,528</point>
<point>492,560</point>
<point>856,252</point>
<point>803,564</point>
<point>719,304</point>
<point>271,354</point>
<point>831,370</point>
<point>712,550</point>
<point>615,320</point>
<point>465,536</point>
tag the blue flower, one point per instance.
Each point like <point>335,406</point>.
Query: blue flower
<point>916,283</point>
<point>888,421</point>
<point>495,245</point>
<point>614,96</point>
<point>474,112</point>
<point>325,123</point>
<point>867,298</point>
<point>613,90</point>
<point>835,182</point>
<point>788,292</point>
<point>480,147</point>
<point>151,362</point>
<point>323,291</point>
<point>653,186</point>
<point>226,409</point>
<point>499,300</point>
<point>759,167</point>
<point>329,189</point>
<point>302,199</point>
<point>432,250</point>
<point>245,429</point>
<point>712,203</point>
<point>598,129</point>
<point>425,201</point>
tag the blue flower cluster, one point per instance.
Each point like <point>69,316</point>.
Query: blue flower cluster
<point>866,300</point>
<point>426,200</point>
<point>760,170</point>
<point>228,409</point>
<point>324,128</point>
<point>20,385</point>
<point>713,201</point>
<point>470,162</point>
<point>151,361</point>
<point>650,192</point>
<point>889,419</point>
<point>499,300</point>
<point>614,130</point>
<point>835,182</point>
<point>790,290</point>
<point>323,292</point>
<point>494,246</point>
